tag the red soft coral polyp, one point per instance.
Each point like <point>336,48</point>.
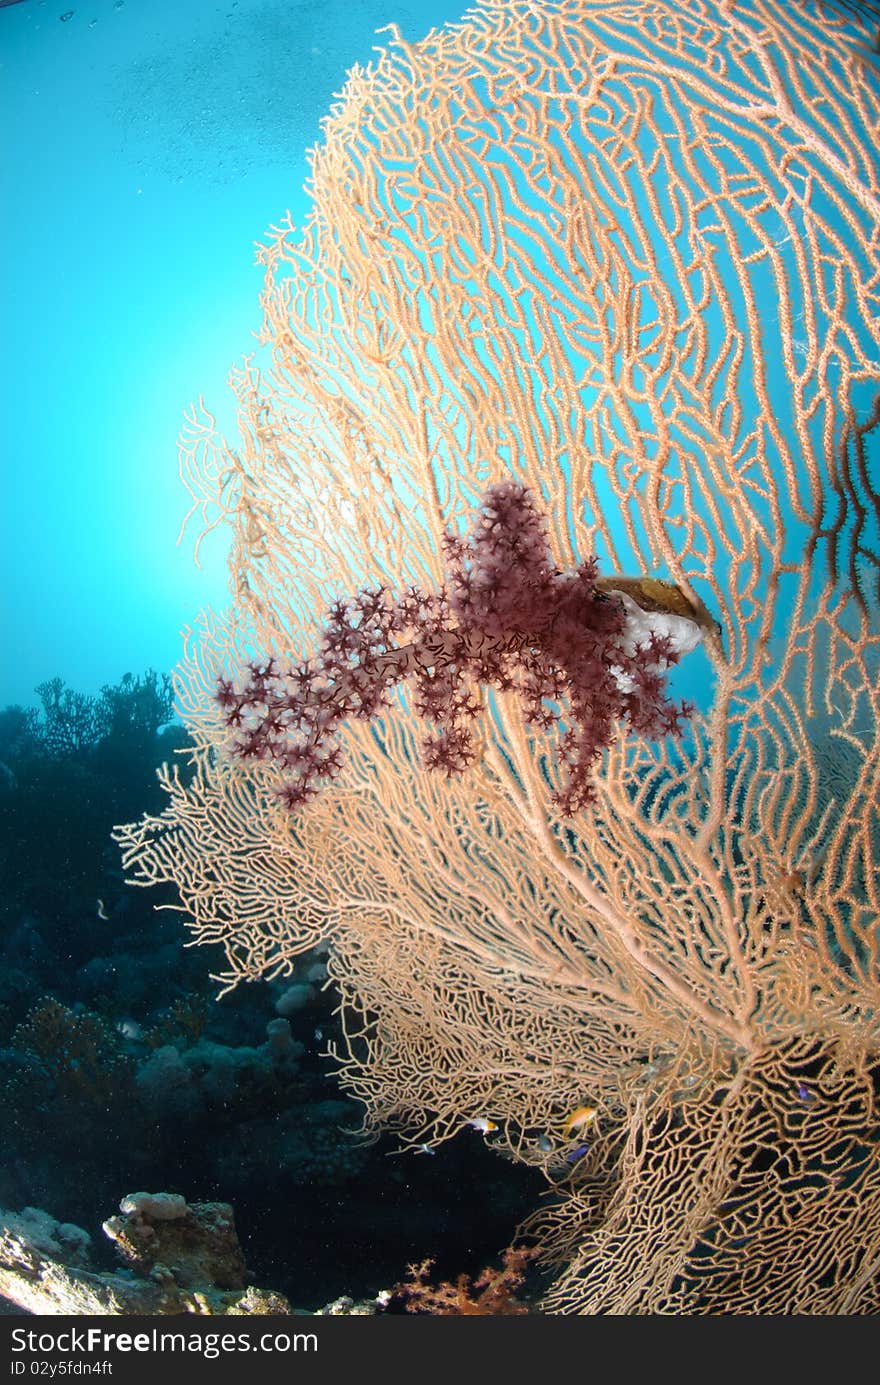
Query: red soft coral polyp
<point>506,617</point>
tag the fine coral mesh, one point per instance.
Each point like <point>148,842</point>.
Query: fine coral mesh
<point>626,256</point>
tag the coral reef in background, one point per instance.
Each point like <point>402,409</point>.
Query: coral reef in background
<point>93,754</point>
<point>118,1069</point>
<point>181,1257</point>
<point>177,1258</point>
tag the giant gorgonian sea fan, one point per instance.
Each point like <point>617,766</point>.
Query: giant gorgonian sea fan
<point>623,260</point>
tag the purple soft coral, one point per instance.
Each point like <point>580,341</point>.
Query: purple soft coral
<point>506,617</point>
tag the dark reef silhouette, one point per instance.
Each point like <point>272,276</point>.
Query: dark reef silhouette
<point>119,1070</point>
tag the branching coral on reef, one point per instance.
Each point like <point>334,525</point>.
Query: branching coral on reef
<point>625,260</point>
<point>493,1292</point>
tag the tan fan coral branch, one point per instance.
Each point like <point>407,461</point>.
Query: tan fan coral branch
<point>626,260</point>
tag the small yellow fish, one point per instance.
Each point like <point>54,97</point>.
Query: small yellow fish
<point>580,1118</point>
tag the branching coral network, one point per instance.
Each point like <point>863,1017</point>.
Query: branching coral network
<point>617,267</point>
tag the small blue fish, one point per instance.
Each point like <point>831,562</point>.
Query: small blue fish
<point>577,1153</point>
<point>804,1093</point>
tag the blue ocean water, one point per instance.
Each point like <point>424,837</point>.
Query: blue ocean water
<point>146,147</point>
